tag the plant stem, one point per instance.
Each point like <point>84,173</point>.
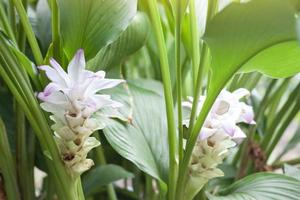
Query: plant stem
<point>197,91</point>
<point>23,169</point>
<point>29,32</point>
<point>290,162</point>
<point>22,35</point>
<point>245,147</point>
<point>12,17</point>
<point>6,25</point>
<point>196,41</point>
<point>55,31</point>
<point>192,140</point>
<point>7,165</point>
<point>18,82</point>
<point>102,161</point>
<point>195,129</point>
<point>178,22</point>
<point>286,121</point>
<point>274,124</point>
<point>156,21</point>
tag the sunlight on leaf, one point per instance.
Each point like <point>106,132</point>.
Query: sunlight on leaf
<point>241,31</point>
<point>132,39</point>
<point>92,24</point>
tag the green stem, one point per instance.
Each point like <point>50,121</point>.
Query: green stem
<point>194,130</point>
<point>157,26</point>
<point>7,166</point>
<point>274,124</point>
<point>102,161</point>
<point>6,24</point>
<point>12,17</point>
<point>23,168</point>
<point>280,129</point>
<point>22,35</point>
<point>55,30</point>
<point>192,140</point>
<point>290,162</point>
<point>149,193</point>
<point>18,82</point>
<point>197,91</point>
<point>29,32</point>
<point>195,41</point>
<point>259,115</point>
<point>274,104</point>
<point>178,22</point>
<point>234,82</point>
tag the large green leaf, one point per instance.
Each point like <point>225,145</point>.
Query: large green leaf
<point>242,33</point>
<point>144,141</point>
<point>262,186</point>
<point>132,39</point>
<point>92,24</point>
<point>281,60</point>
<point>101,176</point>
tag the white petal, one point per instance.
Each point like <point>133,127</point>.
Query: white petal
<point>105,101</point>
<point>76,66</point>
<point>60,71</point>
<point>239,135</point>
<point>206,132</point>
<point>53,75</point>
<point>56,98</point>
<point>101,84</point>
<point>247,115</point>
<point>229,127</point>
<point>49,89</point>
<point>59,111</point>
<point>241,92</point>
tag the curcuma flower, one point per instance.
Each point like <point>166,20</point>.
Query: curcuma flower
<point>219,133</point>
<point>73,98</point>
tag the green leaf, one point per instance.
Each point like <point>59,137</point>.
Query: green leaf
<point>292,171</point>
<point>144,141</point>
<point>101,176</point>
<point>131,40</point>
<point>243,31</point>
<point>92,24</point>
<point>262,186</point>
<point>281,60</point>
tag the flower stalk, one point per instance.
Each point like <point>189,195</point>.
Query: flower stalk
<point>156,21</point>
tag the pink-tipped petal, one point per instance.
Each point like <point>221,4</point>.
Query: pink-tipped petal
<point>247,115</point>
<point>229,127</point>
<point>47,91</point>
<point>77,65</point>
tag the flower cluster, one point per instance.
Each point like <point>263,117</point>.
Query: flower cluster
<point>73,99</point>
<point>219,133</point>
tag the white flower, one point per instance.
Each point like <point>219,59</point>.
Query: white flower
<point>219,133</point>
<point>225,114</point>
<point>73,98</point>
